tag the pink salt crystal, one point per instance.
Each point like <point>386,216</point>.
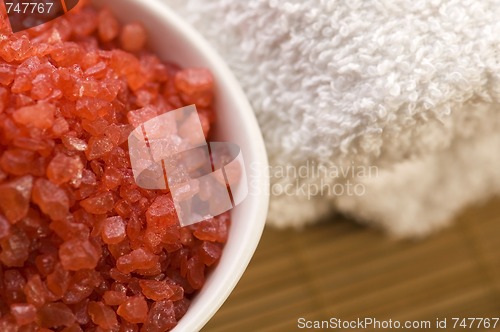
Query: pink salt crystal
<point>17,161</point>
<point>156,290</point>
<point>195,272</point>
<point>89,108</point>
<point>102,315</point>
<point>40,115</point>
<point>63,168</point>
<point>67,229</point>
<point>51,199</point>
<point>108,26</point>
<point>161,213</point>
<point>195,86</point>
<point>214,230</point>
<point>15,248</point>
<point>72,328</point>
<point>4,227</point>
<point>74,143</point>
<point>113,230</point>
<point>78,254</point>
<point>98,147</point>
<point>97,71</point>
<point>45,263</point>
<point>133,37</point>
<point>7,73</point>
<point>82,285</point>
<point>90,88</point>
<point>114,297</point>
<point>83,22</point>
<point>69,83</point>
<point>24,313</point>
<point>35,291</point>
<point>210,252</point>
<point>8,324</point>
<point>12,286</point>
<point>161,317</point>
<point>138,259</point>
<point>58,281</point>
<point>80,309</point>
<point>15,198</point>
<point>123,63</point>
<point>60,127</point>
<point>112,178</point>
<point>98,204</point>
<point>97,127</point>
<point>53,315</point>
<point>4,98</point>
<point>141,115</point>
<point>42,87</point>
<point>43,147</point>
<point>67,54</point>
<point>134,310</point>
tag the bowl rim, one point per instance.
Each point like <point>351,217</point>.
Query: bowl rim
<point>204,310</point>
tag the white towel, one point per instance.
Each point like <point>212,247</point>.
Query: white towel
<point>398,100</point>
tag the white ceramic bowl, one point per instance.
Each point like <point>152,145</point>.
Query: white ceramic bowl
<point>174,40</point>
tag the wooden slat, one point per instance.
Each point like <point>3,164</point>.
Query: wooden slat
<point>341,269</point>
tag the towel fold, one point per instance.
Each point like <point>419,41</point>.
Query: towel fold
<point>397,101</point>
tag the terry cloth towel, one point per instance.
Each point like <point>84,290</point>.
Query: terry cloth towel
<point>387,111</point>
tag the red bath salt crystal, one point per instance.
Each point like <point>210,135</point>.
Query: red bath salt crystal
<point>215,229</point>
<point>113,231</point>
<point>18,161</point>
<point>112,178</point>
<point>210,252</point>
<point>161,317</point>
<point>43,147</point>
<point>7,73</point>
<point>51,199</point>
<point>24,313</point>
<point>4,99</point>
<point>15,248</point>
<point>113,298</point>
<point>82,285</point>
<point>102,315</point>
<point>78,255</point>
<point>108,26</point>
<point>12,287</point>
<point>40,115</point>
<point>133,37</point>
<point>139,116</point>
<point>156,290</point>
<point>98,147</point>
<point>161,213</point>
<point>134,310</point>
<point>99,204</point>
<point>15,198</point>
<point>63,168</point>
<point>54,315</point>
<point>72,328</point>
<point>195,85</point>
<point>195,272</point>
<point>35,291</point>
<point>58,281</point>
<point>139,259</point>
<point>4,227</point>
<point>74,143</point>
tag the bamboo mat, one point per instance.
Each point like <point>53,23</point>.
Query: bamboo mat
<point>343,270</point>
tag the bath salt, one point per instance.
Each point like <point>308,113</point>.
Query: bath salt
<point>82,247</point>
